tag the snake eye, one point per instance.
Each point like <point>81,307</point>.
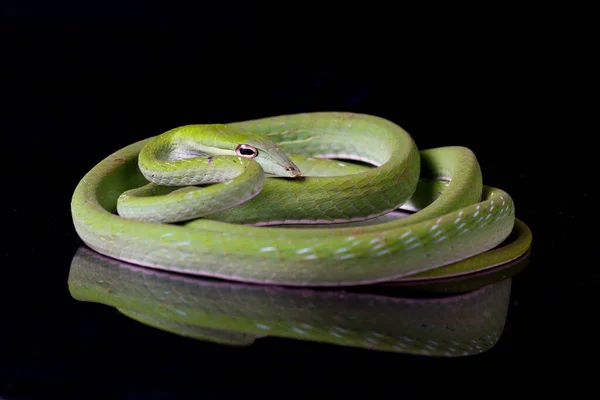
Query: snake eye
<point>245,150</point>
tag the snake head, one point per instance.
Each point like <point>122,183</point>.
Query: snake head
<point>220,139</point>
<point>271,158</point>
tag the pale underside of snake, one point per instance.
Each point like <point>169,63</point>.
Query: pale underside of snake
<point>300,200</point>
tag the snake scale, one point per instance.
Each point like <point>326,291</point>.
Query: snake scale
<point>298,200</point>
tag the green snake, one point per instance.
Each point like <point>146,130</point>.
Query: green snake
<point>236,314</point>
<point>297,200</point>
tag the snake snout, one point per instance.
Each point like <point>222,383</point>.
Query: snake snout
<point>293,171</point>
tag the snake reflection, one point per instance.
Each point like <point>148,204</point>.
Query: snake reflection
<point>237,314</point>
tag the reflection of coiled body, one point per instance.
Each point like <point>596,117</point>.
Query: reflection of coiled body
<point>237,313</point>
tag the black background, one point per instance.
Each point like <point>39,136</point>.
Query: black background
<point>81,80</point>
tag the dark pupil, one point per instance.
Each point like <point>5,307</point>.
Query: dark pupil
<point>246,152</point>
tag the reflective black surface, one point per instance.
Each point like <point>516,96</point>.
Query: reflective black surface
<point>81,81</point>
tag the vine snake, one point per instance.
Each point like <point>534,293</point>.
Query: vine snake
<point>269,201</point>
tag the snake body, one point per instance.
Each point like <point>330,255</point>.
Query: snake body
<point>215,199</point>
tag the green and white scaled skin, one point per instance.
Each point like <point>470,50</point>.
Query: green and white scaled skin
<point>210,200</point>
